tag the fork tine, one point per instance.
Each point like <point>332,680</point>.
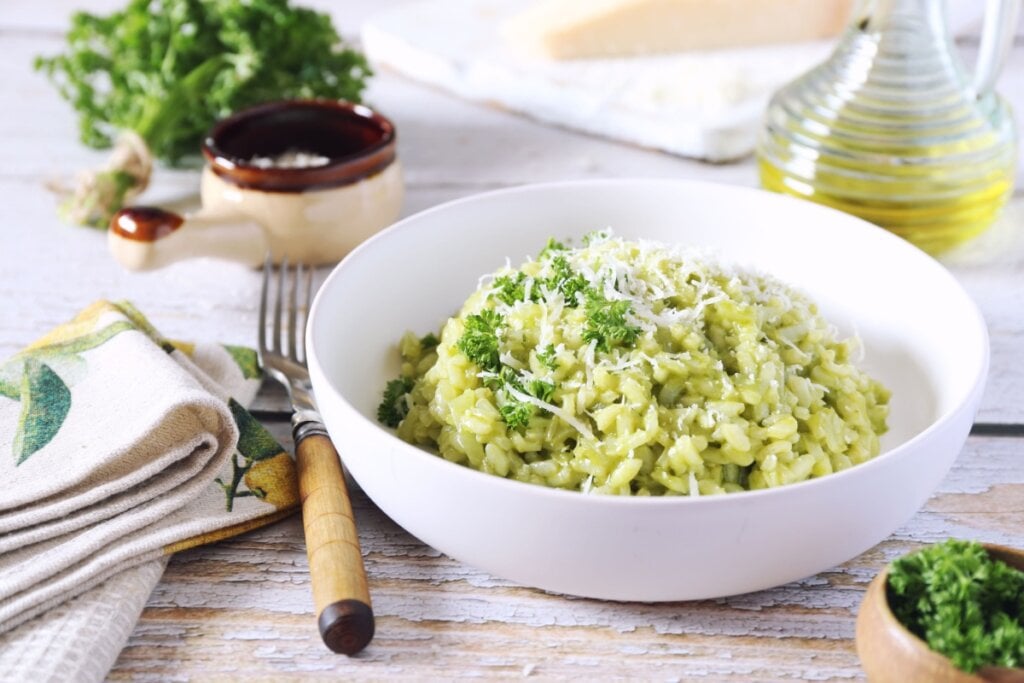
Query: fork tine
<point>293,334</point>
<point>307,303</point>
<point>263,306</point>
<point>282,267</point>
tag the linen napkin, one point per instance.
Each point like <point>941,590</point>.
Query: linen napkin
<point>122,447</point>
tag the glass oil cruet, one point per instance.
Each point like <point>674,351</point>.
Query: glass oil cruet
<point>892,129</point>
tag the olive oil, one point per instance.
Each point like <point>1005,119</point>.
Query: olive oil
<point>936,211</point>
<point>889,129</point>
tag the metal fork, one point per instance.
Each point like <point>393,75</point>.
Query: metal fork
<point>340,592</point>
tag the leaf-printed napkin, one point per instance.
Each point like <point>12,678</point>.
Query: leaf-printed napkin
<point>121,448</point>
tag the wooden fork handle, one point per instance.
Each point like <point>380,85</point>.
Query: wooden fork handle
<point>340,592</point>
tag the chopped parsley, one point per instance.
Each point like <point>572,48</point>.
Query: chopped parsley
<point>552,246</point>
<point>547,357</point>
<point>479,342</point>
<point>394,406</point>
<point>429,341</point>
<point>538,388</point>
<point>606,322</point>
<point>566,281</point>
<point>963,603</point>
<point>516,414</point>
<point>504,376</point>
<point>512,288</point>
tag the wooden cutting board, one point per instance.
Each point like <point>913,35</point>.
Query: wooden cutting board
<point>705,105</point>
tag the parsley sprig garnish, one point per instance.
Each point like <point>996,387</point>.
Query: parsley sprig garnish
<point>429,341</point>
<point>512,288</point>
<point>547,357</point>
<point>394,407</point>
<point>566,281</point>
<point>552,246</point>
<point>606,322</point>
<point>538,388</point>
<point>515,412</point>
<point>479,342</point>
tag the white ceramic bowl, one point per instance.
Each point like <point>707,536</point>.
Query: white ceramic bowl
<point>923,337</point>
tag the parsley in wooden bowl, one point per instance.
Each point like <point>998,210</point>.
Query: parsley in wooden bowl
<point>950,612</point>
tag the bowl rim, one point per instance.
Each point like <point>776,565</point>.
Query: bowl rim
<point>971,396</point>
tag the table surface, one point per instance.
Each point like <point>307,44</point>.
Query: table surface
<point>242,607</point>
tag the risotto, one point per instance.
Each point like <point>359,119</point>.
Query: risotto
<point>635,368</point>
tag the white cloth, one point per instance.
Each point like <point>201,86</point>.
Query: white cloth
<point>123,447</point>
<point>80,639</point>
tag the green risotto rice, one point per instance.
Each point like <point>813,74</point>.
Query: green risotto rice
<point>634,368</point>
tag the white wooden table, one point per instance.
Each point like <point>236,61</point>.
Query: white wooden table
<point>242,608</point>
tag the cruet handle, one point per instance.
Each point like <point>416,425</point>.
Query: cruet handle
<point>996,39</point>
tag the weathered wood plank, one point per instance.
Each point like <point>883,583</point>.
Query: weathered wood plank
<point>243,607</point>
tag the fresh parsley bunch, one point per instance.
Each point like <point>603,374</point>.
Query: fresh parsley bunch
<point>166,70</point>
<point>961,602</point>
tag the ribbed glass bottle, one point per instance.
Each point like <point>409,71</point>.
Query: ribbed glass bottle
<point>891,129</point>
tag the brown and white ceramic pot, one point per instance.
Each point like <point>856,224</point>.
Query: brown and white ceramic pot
<point>306,180</point>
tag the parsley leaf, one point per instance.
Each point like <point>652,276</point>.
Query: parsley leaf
<point>504,376</point>
<point>538,388</point>
<point>394,407</point>
<point>606,322</point>
<point>479,341</point>
<point>516,414</point>
<point>567,281</point>
<point>551,247</point>
<point>547,357</point>
<point>511,289</point>
<point>429,341</point>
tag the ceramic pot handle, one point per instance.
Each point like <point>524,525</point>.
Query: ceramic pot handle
<point>147,238</point>
<point>996,39</point>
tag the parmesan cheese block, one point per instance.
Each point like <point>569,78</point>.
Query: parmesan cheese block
<point>572,29</point>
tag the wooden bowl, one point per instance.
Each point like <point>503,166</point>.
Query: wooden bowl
<point>890,653</point>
